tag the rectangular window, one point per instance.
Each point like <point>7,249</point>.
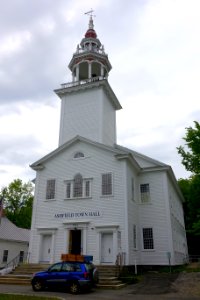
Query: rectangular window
<point>68,190</point>
<point>145,193</point>
<point>148,238</point>
<point>87,188</point>
<point>132,189</point>
<point>5,256</point>
<point>50,190</point>
<point>106,187</point>
<point>134,237</point>
<point>21,256</point>
<point>78,188</point>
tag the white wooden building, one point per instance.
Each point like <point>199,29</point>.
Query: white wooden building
<point>98,198</point>
<point>14,241</point>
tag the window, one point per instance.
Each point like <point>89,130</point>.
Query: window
<point>148,238</point>
<point>71,267</point>
<point>50,189</point>
<point>132,189</point>
<point>145,193</point>
<point>56,267</point>
<point>87,188</point>
<point>78,187</point>
<point>106,187</point>
<point>134,237</point>
<point>78,155</point>
<point>68,190</point>
<point>5,256</point>
<point>21,256</point>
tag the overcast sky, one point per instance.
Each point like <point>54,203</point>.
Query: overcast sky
<point>154,49</point>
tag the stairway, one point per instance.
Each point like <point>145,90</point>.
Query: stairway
<point>108,277</point>
<point>22,274</point>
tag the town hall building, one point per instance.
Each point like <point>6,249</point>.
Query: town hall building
<point>95,197</point>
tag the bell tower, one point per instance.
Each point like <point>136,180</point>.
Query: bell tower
<point>88,104</point>
<point>90,60</point>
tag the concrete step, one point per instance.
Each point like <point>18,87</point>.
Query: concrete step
<point>111,286</point>
<point>19,280</point>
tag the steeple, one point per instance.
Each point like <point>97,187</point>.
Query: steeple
<point>89,105</point>
<point>90,60</point>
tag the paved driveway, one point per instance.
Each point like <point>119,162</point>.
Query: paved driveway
<point>153,287</point>
<point>123,294</point>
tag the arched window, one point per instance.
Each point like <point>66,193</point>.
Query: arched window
<point>78,155</point>
<point>78,186</point>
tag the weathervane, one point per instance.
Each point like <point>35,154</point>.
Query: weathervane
<point>90,13</point>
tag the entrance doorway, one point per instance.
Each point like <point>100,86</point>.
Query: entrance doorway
<point>75,241</point>
<point>46,248</point>
<point>107,247</point>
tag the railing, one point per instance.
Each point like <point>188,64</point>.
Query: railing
<point>194,258</point>
<point>95,50</point>
<point>16,261</point>
<point>80,82</point>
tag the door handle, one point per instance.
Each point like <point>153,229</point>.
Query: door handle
<point>109,250</point>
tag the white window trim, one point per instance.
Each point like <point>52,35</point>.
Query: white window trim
<point>132,189</point>
<point>77,158</point>
<point>135,237</point>
<point>112,178</point>
<point>71,181</point>
<point>149,195</point>
<point>143,249</point>
<point>50,199</point>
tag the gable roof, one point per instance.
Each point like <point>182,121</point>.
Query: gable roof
<point>137,159</point>
<point>10,232</point>
<point>39,164</point>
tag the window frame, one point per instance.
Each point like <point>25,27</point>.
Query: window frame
<point>132,189</point>
<point>78,155</point>
<point>104,186</point>
<point>69,189</point>
<point>135,237</point>
<point>48,193</point>
<point>145,196</point>
<point>78,186</point>
<point>149,240</point>
<point>5,256</point>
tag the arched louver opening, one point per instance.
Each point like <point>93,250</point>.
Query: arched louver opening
<point>78,155</point>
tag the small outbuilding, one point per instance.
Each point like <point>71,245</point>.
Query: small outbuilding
<point>14,242</point>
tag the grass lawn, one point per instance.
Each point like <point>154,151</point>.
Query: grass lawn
<point>24,297</point>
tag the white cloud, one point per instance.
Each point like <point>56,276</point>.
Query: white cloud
<point>153,47</point>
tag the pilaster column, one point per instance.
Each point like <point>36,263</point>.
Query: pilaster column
<point>89,70</point>
<point>77,73</point>
<point>102,71</point>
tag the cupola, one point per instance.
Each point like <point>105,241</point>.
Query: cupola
<point>89,62</point>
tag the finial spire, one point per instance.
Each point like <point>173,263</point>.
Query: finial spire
<point>90,13</point>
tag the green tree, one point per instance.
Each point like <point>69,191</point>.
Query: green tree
<point>18,201</point>
<point>191,156</point>
<point>190,187</point>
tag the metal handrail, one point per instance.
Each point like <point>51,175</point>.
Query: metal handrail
<point>16,260</point>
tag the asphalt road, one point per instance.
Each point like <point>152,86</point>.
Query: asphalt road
<point>135,292</point>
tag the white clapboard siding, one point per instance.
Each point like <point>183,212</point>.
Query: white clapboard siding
<point>89,114</point>
<point>64,167</point>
